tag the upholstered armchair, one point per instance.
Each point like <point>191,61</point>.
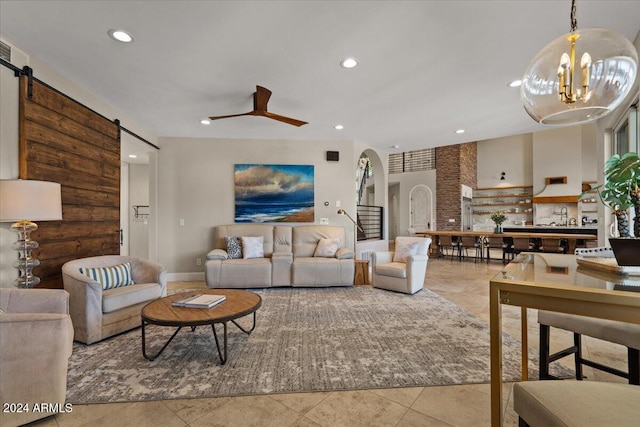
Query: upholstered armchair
<point>110,302</point>
<point>36,340</point>
<point>404,269</point>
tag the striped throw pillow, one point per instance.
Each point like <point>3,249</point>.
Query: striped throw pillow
<point>110,277</point>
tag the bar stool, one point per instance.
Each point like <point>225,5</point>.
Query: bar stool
<point>519,244</point>
<point>494,243</point>
<point>576,403</point>
<point>469,242</point>
<point>626,334</point>
<point>447,243</point>
<point>551,246</point>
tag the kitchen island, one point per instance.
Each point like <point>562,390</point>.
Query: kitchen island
<point>593,229</point>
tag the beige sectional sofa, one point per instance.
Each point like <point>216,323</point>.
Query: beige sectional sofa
<point>288,258</point>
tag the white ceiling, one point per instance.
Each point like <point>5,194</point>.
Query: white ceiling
<point>426,68</point>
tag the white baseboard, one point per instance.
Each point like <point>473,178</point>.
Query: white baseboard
<point>185,277</point>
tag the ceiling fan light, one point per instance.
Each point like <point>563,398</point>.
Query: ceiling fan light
<point>611,68</point>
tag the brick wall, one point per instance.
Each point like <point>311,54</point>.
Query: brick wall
<point>455,165</point>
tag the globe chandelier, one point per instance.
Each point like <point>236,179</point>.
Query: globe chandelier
<point>556,90</point>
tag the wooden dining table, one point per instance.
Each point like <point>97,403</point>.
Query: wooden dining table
<point>570,238</point>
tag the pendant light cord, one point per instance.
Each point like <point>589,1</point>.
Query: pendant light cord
<point>574,21</point>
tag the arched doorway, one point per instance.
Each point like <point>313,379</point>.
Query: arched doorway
<point>420,208</point>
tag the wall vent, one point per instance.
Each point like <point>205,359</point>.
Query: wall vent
<point>5,52</point>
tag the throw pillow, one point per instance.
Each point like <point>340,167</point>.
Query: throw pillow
<point>234,249</point>
<point>403,250</point>
<point>252,247</point>
<point>110,277</point>
<point>327,248</point>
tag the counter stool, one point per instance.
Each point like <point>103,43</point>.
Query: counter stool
<point>626,334</point>
<point>576,403</point>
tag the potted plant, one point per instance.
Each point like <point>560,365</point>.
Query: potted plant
<point>621,193</point>
<point>498,217</point>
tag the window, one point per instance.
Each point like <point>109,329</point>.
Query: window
<point>626,136</point>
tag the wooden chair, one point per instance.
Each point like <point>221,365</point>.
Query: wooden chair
<point>518,244</point>
<point>446,243</point>
<point>552,246</point>
<point>494,243</point>
<point>470,242</point>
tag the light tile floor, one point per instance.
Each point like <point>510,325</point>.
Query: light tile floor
<point>466,284</point>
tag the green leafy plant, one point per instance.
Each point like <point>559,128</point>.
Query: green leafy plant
<point>621,190</point>
<point>498,217</point>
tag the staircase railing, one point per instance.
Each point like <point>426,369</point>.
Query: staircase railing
<point>370,220</point>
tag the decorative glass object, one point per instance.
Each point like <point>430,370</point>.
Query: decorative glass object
<point>580,76</point>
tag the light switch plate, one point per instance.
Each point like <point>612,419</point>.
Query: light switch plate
<point>324,220</point>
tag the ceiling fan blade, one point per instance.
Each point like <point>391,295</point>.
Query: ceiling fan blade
<point>250,113</point>
<point>261,98</point>
<point>284,119</point>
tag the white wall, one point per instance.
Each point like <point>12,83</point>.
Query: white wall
<point>138,196</point>
<point>558,152</point>
<point>196,184</point>
<point>512,155</point>
<point>407,181</point>
<point>9,156</point>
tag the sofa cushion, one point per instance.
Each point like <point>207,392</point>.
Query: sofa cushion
<point>318,271</point>
<point>306,238</point>
<point>265,230</point>
<point>252,247</point>
<point>219,254</point>
<point>327,248</point>
<point>404,249</point>
<point>393,269</point>
<point>110,277</point>
<point>234,248</point>
<point>117,298</point>
<point>345,253</point>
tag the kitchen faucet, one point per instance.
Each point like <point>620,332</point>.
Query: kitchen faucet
<point>563,214</point>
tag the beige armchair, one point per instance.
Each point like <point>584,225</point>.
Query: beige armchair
<point>404,269</point>
<point>98,314</point>
<point>36,340</point>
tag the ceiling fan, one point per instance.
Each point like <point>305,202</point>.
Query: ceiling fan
<point>260,99</point>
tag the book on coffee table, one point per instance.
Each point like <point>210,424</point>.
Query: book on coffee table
<point>199,301</point>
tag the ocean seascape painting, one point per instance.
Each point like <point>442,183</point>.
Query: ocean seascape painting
<point>274,193</point>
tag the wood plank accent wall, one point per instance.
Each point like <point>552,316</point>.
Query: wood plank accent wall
<point>64,141</point>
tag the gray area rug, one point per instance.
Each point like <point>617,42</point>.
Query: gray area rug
<point>305,340</point>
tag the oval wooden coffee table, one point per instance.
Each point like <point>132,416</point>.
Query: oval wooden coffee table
<point>238,304</point>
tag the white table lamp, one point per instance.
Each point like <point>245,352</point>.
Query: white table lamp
<point>21,202</point>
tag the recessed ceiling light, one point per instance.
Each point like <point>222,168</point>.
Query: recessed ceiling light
<point>338,127</point>
<point>133,156</point>
<point>205,122</point>
<point>349,63</point>
<point>395,146</point>
<point>515,83</point>
<point>460,131</point>
<point>121,36</point>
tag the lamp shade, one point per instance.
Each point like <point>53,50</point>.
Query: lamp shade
<point>30,200</point>
<point>605,59</point>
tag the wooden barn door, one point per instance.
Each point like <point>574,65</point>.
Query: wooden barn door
<point>65,142</point>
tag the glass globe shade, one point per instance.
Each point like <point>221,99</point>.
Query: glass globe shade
<point>611,75</point>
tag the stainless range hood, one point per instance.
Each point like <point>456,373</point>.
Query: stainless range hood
<point>557,190</point>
